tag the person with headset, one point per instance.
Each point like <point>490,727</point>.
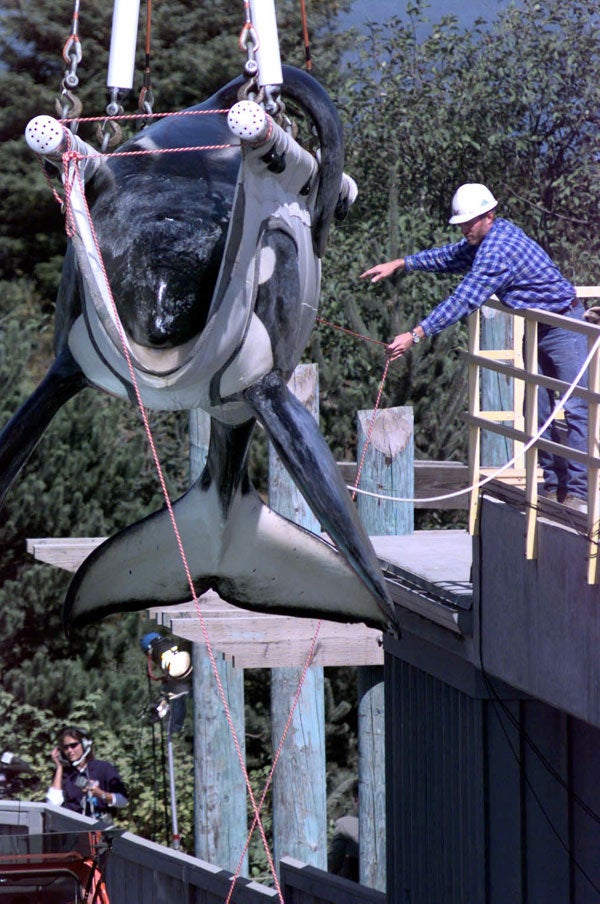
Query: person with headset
<point>497,257</point>
<point>81,782</point>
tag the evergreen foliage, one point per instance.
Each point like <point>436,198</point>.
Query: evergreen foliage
<point>511,104</point>
<point>138,747</point>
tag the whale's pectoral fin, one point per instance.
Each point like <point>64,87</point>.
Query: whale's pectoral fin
<point>22,433</point>
<point>233,543</point>
<point>304,452</point>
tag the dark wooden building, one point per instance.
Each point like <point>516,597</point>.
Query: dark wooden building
<point>493,726</point>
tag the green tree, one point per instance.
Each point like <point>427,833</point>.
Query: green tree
<point>511,104</point>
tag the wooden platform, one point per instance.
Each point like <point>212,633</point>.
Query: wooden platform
<point>427,572</point>
<point>258,640</point>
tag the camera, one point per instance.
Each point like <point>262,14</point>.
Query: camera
<point>158,710</point>
<point>15,776</point>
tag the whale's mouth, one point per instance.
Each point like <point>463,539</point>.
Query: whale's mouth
<point>162,362</point>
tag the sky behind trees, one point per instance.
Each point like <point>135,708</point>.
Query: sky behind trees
<point>363,10</point>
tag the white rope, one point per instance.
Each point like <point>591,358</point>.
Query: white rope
<point>476,486</point>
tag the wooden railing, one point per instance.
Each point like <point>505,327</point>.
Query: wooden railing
<point>519,423</point>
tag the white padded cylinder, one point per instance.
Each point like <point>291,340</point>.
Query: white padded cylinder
<point>47,136</point>
<point>248,121</point>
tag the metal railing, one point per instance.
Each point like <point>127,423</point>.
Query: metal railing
<point>519,423</point>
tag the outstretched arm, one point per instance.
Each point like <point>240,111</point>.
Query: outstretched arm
<point>382,271</point>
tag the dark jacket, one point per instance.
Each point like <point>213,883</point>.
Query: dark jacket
<point>99,771</point>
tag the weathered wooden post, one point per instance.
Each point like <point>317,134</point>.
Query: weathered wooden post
<point>220,790</point>
<point>299,787</point>
<point>388,469</point>
<point>497,392</point>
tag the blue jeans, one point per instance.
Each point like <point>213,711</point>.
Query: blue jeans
<point>560,355</point>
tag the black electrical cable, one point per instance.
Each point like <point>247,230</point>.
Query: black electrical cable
<point>540,755</point>
<point>155,782</point>
<point>568,518</point>
<point>154,795</point>
<point>543,810</point>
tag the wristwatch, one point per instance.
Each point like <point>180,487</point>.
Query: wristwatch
<point>415,337</point>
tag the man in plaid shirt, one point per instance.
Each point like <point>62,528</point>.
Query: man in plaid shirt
<point>499,259</point>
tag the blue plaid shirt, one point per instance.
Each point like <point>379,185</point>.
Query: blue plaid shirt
<point>507,263</point>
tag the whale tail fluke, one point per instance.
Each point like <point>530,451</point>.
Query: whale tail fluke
<point>234,544</point>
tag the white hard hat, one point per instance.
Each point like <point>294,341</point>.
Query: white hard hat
<point>469,201</point>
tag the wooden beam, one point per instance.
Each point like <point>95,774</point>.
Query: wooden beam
<point>341,652</point>
<point>298,695</point>
<point>259,640</point>
<point>253,640</point>
<point>220,819</point>
<point>385,445</point>
<point>67,553</point>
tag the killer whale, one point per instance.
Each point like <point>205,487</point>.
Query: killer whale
<point>216,281</point>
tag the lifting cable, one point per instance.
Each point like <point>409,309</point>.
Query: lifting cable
<point>67,103</point>
<point>305,36</point>
<point>560,404</point>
